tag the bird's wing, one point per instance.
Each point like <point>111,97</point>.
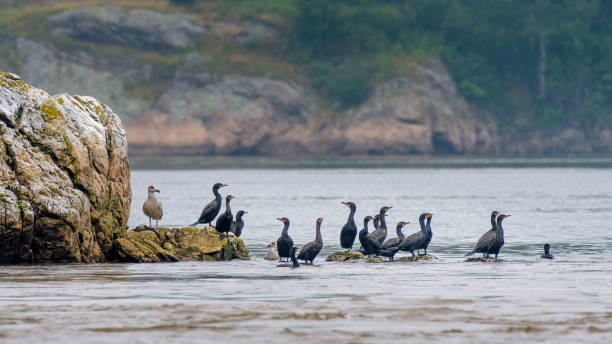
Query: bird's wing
<point>233,227</point>
<point>486,240</point>
<point>412,238</point>
<point>209,207</point>
<point>390,243</point>
<point>305,249</point>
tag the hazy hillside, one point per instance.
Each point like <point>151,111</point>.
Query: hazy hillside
<point>328,77</point>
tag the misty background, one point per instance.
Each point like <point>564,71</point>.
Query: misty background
<point>319,78</point>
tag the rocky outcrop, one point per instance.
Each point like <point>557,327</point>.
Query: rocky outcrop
<point>64,176</point>
<point>343,256</point>
<point>177,244</point>
<point>137,27</point>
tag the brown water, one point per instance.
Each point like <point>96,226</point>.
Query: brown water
<point>521,299</point>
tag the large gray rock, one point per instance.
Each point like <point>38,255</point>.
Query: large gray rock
<point>64,176</point>
<point>138,27</point>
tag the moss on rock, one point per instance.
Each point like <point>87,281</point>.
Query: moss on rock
<point>343,256</point>
<point>144,244</point>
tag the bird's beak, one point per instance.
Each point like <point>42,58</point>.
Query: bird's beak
<point>157,191</point>
<point>279,219</point>
<point>246,212</point>
<point>222,185</point>
<point>508,215</point>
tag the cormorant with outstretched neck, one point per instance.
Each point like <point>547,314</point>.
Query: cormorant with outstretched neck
<point>487,241</point>
<point>284,242</point>
<point>224,221</point>
<point>238,224</point>
<point>547,254</point>
<point>349,230</point>
<point>429,233</point>
<point>376,222</point>
<point>294,262</point>
<point>397,240</point>
<point>416,240</point>
<point>381,232</point>
<point>368,241</point>
<point>310,251</point>
<point>211,210</point>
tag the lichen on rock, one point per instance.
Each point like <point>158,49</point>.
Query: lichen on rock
<point>343,256</point>
<point>64,176</point>
<point>144,244</point>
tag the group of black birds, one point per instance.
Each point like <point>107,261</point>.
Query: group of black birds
<point>372,243</point>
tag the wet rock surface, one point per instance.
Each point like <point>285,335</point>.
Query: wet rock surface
<point>342,256</point>
<point>144,244</point>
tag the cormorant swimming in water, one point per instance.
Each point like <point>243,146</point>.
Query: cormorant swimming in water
<point>487,240</point>
<point>491,244</point>
<point>397,240</point>
<point>294,262</point>
<point>429,233</point>
<point>381,232</point>
<point>349,230</point>
<point>224,221</point>
<point>416,240</point>
<point>284,242</point>
<point>211,210</point>
<point>547,254</point>
<point>152,207</point>
<point>368,241</point>
<point>238,224</point>
<point>312,249</point>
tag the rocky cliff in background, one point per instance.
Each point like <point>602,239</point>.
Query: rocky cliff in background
<point>188,108</point>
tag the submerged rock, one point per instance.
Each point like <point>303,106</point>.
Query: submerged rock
<point>415,258</point>
<point>64,176</point>
<point>342,256</point>
<point>144,244</point>
<point>377,259</point>
<point>483,259</point>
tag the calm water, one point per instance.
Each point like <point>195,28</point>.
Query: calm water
<point>522,299</point>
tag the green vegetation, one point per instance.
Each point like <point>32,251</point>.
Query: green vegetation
<point>527,62</point>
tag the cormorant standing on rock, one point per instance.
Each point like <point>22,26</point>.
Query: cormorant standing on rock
<point>211,210</point>
<point>152,207</point>
<point>238,224</point>
<point>381,232</point>
<point>547,254</point>
<point>487,240</point>
<point>368,241</point>
<point>224,221</point>
<point>491,244</point>
<point>272,254</point>
<point>310,251</point>
<point>429,233</point>
<point>349,230</point>
<point>397,240</point>
<point>284,242</point>
<point>416,240</point>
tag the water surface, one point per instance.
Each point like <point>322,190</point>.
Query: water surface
<point>521,299</point>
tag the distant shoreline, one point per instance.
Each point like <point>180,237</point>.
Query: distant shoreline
<point>141,162</point>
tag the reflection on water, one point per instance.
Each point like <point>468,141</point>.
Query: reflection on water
<point>521,299</point>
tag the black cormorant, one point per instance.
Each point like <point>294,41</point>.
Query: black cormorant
<point>381,232</point>
<point>389,252</point>
<point>491,243</point>
<point>238,224</point>
<point>368,241</point>
<point>487,240</point>
<point>224,221</point>
<point>294,262</point>
<point>547,254</point>
<point>310,251</point>
<point>397,240</point>
<point>429,233</point>
<point>416,240</point>
<point>349,230</point>
<point>284,242</point>
<point>376,222</point>
<point>211,210</point>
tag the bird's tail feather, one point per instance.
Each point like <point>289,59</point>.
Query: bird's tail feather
<point>193,224</point>
<point>471,253</point>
